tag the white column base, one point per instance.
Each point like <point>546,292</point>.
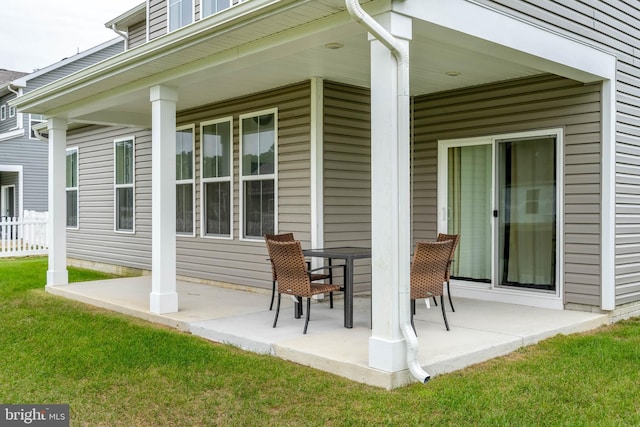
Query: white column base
<point>57,278</point>
<point>388,356</point>
<point>163,303</point>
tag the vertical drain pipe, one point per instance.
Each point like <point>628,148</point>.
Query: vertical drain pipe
<point>402,60</point>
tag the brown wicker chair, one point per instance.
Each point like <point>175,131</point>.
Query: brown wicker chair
<point>293,277</point>
<point>288,237</point>
<point>455,238</point>
<point>428,272</point>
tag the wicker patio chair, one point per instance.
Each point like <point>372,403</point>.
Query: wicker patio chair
<point>288,237</point>
<point>293,277</point>
<point>428,271</point>
<point>455,238</point>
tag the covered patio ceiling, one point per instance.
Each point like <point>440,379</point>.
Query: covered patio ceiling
<point>321,41</point>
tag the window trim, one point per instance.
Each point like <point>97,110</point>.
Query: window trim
<point>3,112</point>
<point>12,111</point>
<point>193,15</point>
<point>191,181</point>
<point>202,15</point>
<point>76,188</point>
<point>116,186</point>
<point>242,179</point>
<point>204,181</point>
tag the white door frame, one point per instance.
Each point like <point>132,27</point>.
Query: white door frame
<point>19,197</point>
<point>3,199</point>
<point>491,292</point>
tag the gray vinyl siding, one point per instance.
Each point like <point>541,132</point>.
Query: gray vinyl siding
<point>137,34</point>
<point>542,102</point>
<point>157,18</point>
<point>347,172</point>
<point>9,122</point>
<point>74,66</point>
<point>32,155</point>
<point>95,239</point>
<point>612,25</point>
<point>240,261</point>
<point>231,261</point>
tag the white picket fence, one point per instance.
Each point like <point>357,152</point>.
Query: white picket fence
<point>24,236</point>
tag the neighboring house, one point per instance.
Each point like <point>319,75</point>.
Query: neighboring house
<point>24,157</point>
<point>14,152</point>
<point>514,124</point>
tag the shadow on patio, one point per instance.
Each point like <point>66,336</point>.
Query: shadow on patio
<point>480,330</point>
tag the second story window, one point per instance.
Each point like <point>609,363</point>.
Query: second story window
<point>180,13</point>
<point>12,111</point>
<point>34,119</point>
<point>209,7</point>
<point>3,112</point>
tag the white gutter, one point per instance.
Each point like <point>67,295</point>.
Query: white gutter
<point>121,34</point>
<point>402,60</point>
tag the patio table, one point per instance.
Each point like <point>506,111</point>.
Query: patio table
<point>348,254</point>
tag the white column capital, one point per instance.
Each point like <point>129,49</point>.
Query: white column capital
<point>399,26</point>
<point>57,123</point>
<point>163,93</point>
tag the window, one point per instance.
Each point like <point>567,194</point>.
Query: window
<point>209,7</point>
<point>72,187</point>
<point>3,112</point>
<point>124,184</point>
<point>180,13</point>
<point>217,164</point>
<point>258,173</point>
<point>12,111</point>
<point>184,180</point>
<point>34,119</point>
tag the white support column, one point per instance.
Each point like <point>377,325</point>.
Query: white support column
<point>390,201</point>
<point>57,230</point>
<point>317,165</point>
<point>163,298</point>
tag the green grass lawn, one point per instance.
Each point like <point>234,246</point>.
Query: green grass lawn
<point>118,371</point>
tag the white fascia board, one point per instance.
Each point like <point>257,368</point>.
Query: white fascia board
<point>238,16</point>
<point>11,134</point>
<point>515,39</point>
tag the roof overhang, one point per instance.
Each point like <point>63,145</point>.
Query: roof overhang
<point>262,44</point>
<point>133,16</point>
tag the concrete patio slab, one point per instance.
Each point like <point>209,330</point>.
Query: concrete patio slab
<point>480,330</point>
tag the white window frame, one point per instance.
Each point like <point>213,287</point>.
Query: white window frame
<point>274,176</point>
<point>12,111</point>
<point>76,189</point>
<point>193,14</point>
<point>191,181</point>
<point>131,185</point>
<point>204,181</point>
<point>3,112</point>
<point>229,2</point>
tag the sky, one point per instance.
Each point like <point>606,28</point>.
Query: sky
<point>37,33</point>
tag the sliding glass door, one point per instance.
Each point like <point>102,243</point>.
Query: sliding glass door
<point>501,198</point>
<point>527,213</point>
